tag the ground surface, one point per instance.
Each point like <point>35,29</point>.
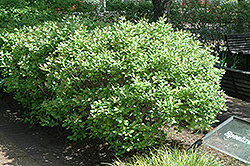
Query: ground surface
<point>236,107</point>
<point>22,145</point>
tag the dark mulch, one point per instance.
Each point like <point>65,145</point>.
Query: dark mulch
<point>95,152</point>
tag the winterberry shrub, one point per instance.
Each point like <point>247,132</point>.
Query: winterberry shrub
<point>125,82</point>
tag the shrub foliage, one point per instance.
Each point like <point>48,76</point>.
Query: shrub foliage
<point>124,82</point>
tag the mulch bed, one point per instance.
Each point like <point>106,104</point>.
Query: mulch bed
<point>94,151</point>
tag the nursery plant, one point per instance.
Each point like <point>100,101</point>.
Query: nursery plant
<point>123,82</point>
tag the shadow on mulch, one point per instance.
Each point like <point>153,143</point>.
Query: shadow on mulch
<point>54,140</point>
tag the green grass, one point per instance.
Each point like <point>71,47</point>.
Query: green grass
<point>168,157</point>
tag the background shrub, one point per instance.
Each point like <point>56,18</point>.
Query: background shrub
<point>134,11</point>
<point>209,21</point>
<point>212,20</point>
<point>13,17</point>
<point>20,13</point>
<point>124,82</point>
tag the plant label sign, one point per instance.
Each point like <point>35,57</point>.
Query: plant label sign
<point>231,137</point>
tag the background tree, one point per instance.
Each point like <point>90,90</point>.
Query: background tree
<point>161,7</point>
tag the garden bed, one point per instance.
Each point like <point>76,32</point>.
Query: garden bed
<point>95,152</point>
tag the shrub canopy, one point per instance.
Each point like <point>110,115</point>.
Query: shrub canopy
<point>124,82</point>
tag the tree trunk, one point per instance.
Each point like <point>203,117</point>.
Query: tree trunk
<point>161,7</point>
<point>240,24</point>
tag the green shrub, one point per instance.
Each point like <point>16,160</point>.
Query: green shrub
<point>124,82</point>
<point>17,18</point>
<point>23,51</point>
<point>168,157</point>
<point>41,4</point>
<point>20,13</point>
<point>13,3</point>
